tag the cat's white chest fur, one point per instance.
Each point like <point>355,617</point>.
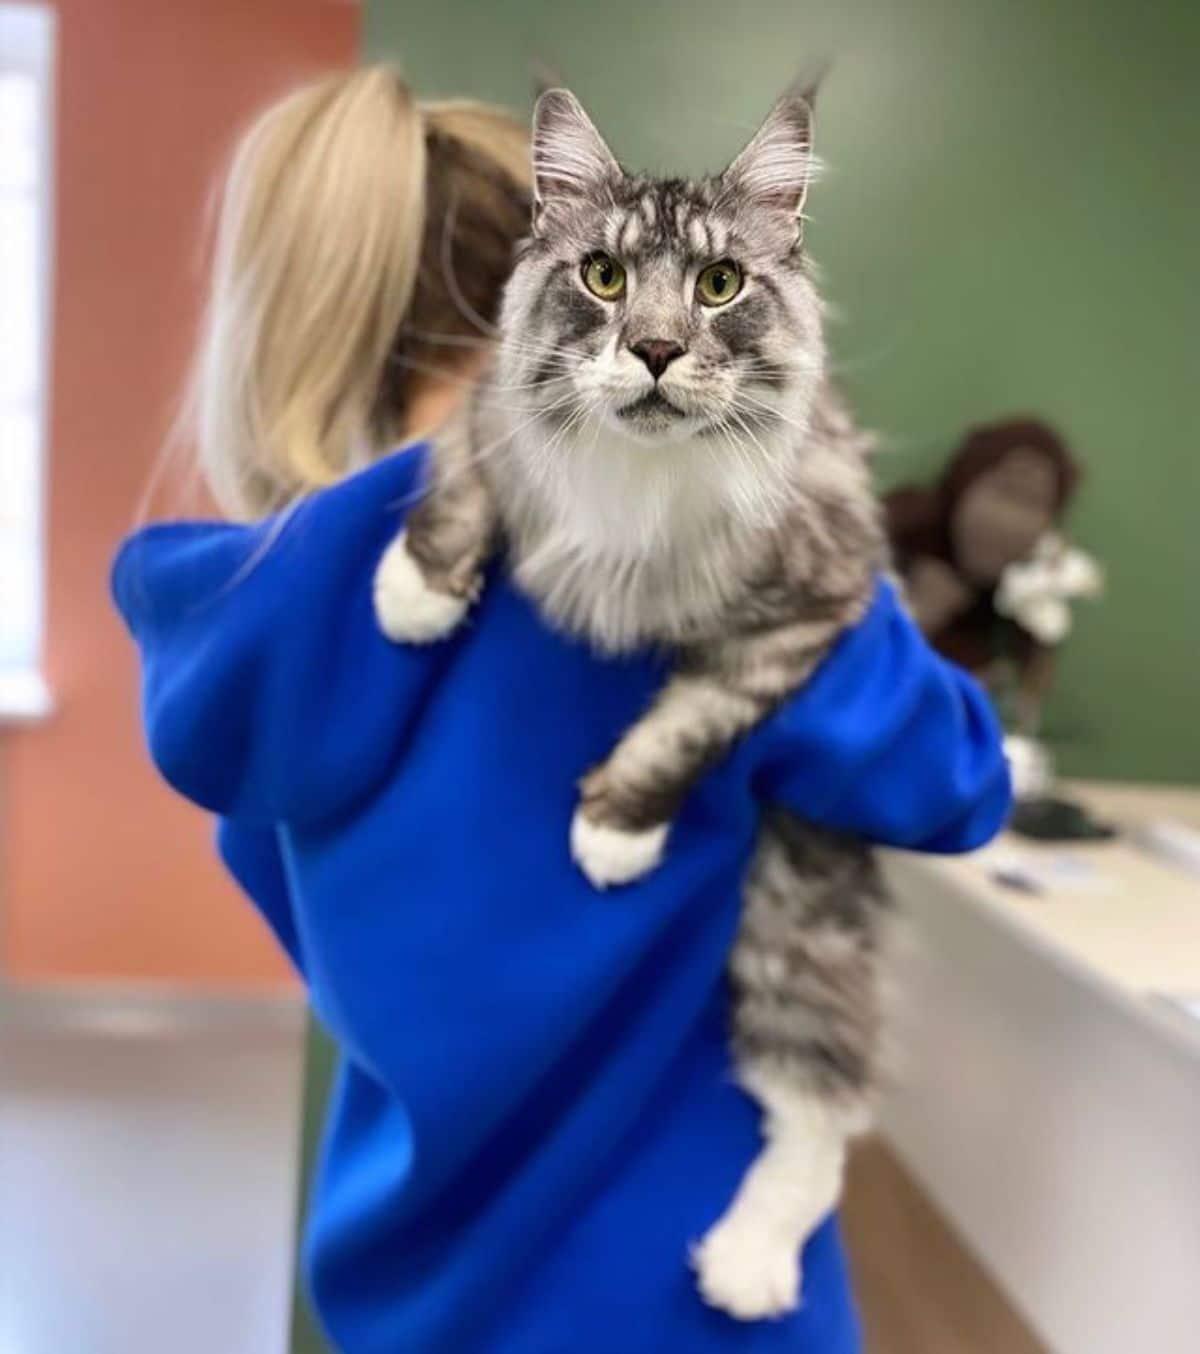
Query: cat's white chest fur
<point>626,542</point>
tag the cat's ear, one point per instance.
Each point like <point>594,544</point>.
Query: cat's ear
<point>570,159</point>
<point>777,168</point>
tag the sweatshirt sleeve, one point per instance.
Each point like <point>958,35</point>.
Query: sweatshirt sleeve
<point>268,692</point>
<point>891,742</point>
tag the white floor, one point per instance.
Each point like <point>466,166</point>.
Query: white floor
<point>147,1190</point>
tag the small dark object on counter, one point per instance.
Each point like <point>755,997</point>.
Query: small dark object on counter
<point>1058,820</point>
<point>1013,879</point>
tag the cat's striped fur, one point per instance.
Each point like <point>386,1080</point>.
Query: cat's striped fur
<point>720,506</point>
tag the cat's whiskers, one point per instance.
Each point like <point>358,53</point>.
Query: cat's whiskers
<point>480,454</point>
<point>467,383</point>
<point>461,304</point>
<point>767,411</point>
<point>575,419</point>
<point>543,352</point>
<point>756,491</point>
<point>743,501</point>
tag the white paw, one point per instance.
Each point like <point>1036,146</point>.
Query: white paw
<point>608,855</point>
<point>750,1272</point>
<point>406,607</point>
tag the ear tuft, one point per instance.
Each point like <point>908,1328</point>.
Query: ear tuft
<point>544,77</point>
<point>570,157</point>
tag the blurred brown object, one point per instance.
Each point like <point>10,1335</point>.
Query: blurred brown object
<point>1005,486</point>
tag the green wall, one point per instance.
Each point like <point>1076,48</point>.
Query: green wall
<point>1010,222</point>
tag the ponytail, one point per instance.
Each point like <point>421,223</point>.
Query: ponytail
<point>320,251</point>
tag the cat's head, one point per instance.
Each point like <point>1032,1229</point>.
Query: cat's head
<point>665,309</point>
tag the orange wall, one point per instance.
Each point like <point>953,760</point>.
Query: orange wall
<point>104,873</point>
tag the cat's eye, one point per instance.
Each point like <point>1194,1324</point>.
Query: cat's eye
<point>719,283</point>
<point>604,277</point>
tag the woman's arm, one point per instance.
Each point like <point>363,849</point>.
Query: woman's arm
<point>889,741</point>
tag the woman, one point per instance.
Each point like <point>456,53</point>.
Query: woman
<point>534,1115</point>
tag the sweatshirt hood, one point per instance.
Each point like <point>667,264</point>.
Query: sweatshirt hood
<point>253,638</point>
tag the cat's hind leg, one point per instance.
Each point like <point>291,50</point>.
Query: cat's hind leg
<point>805,973</point>
<point>749,1262</point>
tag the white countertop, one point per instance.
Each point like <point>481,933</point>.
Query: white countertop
<point>1132,918</point>
<point>1046,1098</point>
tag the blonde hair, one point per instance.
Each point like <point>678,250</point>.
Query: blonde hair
<point>357,227</point>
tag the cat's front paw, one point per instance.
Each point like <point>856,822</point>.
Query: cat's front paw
<point>750,1272</point>
<point>612,855</point>
<point>407,608</point>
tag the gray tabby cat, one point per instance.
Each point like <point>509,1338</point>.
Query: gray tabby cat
<point>661,451</point>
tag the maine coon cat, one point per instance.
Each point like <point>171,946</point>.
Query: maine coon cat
<point>660,451</point>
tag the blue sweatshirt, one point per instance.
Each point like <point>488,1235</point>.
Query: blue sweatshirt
<point>534,1116</point>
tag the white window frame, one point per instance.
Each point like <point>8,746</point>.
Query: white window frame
<point>28,35</point>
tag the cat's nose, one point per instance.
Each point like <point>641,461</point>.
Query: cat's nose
<point>657,354</point>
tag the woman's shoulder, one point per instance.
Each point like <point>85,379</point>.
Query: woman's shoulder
<point>173,565</point>
<point>268,691</point>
